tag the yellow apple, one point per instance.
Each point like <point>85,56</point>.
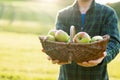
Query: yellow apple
<point>61,36</point>
<point>96,38</point>
<point>50,38</point>
<point>52,32</point>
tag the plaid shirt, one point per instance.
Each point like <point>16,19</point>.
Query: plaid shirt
<point>99,20</point>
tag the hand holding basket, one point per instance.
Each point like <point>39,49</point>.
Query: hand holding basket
<point>67,52</point>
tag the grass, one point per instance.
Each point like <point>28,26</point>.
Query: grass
<point>21,59</point>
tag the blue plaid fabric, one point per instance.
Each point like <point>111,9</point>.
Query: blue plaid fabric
<point>99,20</point>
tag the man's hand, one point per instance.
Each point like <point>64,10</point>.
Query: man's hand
<point>92,63</point>
<point>57,61</point>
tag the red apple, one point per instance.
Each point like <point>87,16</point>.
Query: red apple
<point>81,37</point>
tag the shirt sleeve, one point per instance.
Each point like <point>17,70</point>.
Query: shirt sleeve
<point>62,22</point>
<point>59,24</point>
<point>111,28</point>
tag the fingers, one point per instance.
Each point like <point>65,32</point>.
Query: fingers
<point>43,50</point>
<point>56,61</point>
<point>86,64</point>
<point>62,63</point>
<point>90,63</point>
<point>105,54</point>
<point>97,61</point>
<point>83,64</point>
<point>49,58</point>
<point>53,61</point>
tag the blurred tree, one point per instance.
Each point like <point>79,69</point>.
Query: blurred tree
<point>22,12</point>
<point>1,10</point>
<point>116,6</point>
<point>13,0</point>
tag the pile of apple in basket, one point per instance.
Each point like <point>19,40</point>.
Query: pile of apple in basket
<point>78,47</point>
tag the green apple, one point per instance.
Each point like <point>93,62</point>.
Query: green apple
<point>61,36</point>
<point>52,32</point>
<point>50,38</point>
<point>96,38</point>
<point>81,37</point>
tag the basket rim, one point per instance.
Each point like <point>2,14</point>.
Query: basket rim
<point>54,42</point>
<point>106,38</point>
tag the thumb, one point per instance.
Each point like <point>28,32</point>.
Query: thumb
<point>43,50</point>
<point>49,58</point>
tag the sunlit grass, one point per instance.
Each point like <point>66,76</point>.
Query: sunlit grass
<point>20,55</point>
<point>113,67</point>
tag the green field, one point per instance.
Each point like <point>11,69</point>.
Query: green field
<point>21,59</point>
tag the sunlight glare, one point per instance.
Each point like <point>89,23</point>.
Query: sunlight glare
<point>107,1</point>
<point>51,1</point>
<point>47,1</point>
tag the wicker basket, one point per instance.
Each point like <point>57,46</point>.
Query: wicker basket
<point>56,50</point>
<point>67,52</point>
<point>90,51</point>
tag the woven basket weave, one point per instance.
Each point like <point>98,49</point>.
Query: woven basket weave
<point>90,51</point>
<point>56,50</point>
<point>67,52</point>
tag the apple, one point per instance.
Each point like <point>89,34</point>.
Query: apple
<point>81,37</point>
<point>52,32</point>
<point>96,38</point>
<point>69,40</point>
<point>61,36</point>
<point>49,38</point>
